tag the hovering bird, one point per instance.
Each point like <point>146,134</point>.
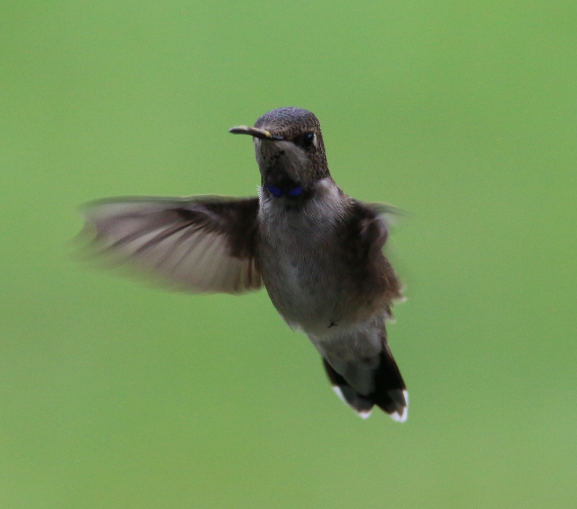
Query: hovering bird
<point>317,251</point>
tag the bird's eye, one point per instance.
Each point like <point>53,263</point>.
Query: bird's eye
<point>305,140</point>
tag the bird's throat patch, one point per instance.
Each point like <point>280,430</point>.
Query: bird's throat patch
<point>279,192</point>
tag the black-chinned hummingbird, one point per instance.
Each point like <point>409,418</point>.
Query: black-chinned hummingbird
<point>317,251</point>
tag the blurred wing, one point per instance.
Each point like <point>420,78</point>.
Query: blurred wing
<point>203,244</point>
<point>388,213</point>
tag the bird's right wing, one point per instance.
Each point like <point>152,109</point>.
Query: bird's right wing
<point>201,244</point>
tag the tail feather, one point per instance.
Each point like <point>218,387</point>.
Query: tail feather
<point>361,405</point>
<point>388,389</point>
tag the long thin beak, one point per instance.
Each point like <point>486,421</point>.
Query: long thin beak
<point>254,131</point>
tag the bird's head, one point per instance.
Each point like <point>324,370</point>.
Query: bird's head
<point>289,151</point>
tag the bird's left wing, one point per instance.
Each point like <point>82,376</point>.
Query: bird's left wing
<point>389,214</point>
<point>202,244</point>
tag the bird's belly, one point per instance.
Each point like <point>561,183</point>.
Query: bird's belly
<point>306,288</point>
<point>306,269</point>
<point>300,307</point>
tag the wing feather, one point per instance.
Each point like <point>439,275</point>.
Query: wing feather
<point>203,244</point>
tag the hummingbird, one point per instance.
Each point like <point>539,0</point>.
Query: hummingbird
<point>317,251</point>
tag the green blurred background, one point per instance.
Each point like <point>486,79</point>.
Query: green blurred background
<point>114,395</point>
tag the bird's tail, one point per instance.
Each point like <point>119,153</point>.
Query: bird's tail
<point>387,388</point>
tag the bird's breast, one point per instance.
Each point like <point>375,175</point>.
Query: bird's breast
<point>302,265</point>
